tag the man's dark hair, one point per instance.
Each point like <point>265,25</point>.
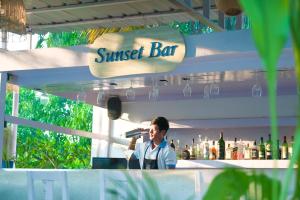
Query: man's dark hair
<point>161,122</point>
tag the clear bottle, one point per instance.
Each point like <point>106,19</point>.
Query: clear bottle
<point>206,149</point>
<point>228,153</point>
<point>193,150</point>
<point>247,152</point>
<point>284,149</point>
<point>269,148</point>
<point>221,144</point>
<point>178,150</point>
<point>261,150</point>
<point>234,150</point>
<point>291,144</point>
<point>200,148</point>
<point>213,152</point>
<point>240,152</point>
<point>254,151</point>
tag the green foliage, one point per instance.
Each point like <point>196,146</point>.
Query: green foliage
<point>62,39</point>
<point>44,149</point>
<point>234,184</point>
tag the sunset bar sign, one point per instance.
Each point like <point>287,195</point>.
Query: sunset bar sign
<point>144,51</point>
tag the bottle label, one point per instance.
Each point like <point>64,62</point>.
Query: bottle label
<point>290,151</point>
<point>284,153</point>
<point>254,154</point>
<point>228,154</point>
<point>261,154</point>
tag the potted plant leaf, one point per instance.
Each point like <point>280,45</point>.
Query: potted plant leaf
<point>7,155</point>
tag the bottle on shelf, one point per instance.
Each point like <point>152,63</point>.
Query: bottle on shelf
<point>186,153</point>
<point>290,149</point>
<point>178,150</point>
<point>206,149</point>
<point>240,151</point>
<point>261,149</point>
<point>269,148</point>
<point>254,151</point>
<point>284,149</point>
<point>213,152</point>
<point>279,149</point>
<point>200,148</point>
<point>221,144</point>
<point>172,144</point>
<point>247,152</point>
<point>234,150</point>
<point>228,153</point>
<point>193,150</point>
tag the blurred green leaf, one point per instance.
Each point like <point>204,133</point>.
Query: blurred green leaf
<point>224,186</point>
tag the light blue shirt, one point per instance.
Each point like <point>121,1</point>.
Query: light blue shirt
<point>166,156</point>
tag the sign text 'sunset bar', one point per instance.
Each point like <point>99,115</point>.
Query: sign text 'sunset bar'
<point>144,51</point>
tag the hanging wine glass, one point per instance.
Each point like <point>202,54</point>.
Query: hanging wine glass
<point>154,91</point>
<point>100,96</point>
<point>256,88</point>
<point>44,99</point>
<point>206,91</point>
<point>187,90</point>
<point>130,93</point>
<point>214,89</point>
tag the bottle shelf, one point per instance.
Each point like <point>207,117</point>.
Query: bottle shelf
<point>219,164</point>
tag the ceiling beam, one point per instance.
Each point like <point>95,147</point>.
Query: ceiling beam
<point>82,5</point>
<point>181,4</point>
<point>98,22</point>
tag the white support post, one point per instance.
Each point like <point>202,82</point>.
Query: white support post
<point>3,79</point>
<point>15,113</point>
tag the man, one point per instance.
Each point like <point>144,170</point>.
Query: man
<point>156,153</point>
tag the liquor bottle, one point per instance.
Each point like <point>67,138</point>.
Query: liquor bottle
<point>234,150</point>
<point>228,154</point>
<point>206,149</point>
<point>178,150</point>
<point>200,148</point>
<point>240,151</point>
<point>186,153</point>
<point>291,144</point>
<point>213,152</point>
<point>193,151</point>
<point>269,148</point>
<point>172,144</point>
<point>279,149</point>
<point>284,149</point>
<point>254,151</point>
<point>261,149</point>
<point>221,145</point>
<point>247,152</point>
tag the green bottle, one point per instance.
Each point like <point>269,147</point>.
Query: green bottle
<point>269,148</point>
<point>261,149</point>
<point>221,144</point>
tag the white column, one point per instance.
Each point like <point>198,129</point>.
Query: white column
<point>15,113</point>
<point>3,79</point>
<point>101,125</point>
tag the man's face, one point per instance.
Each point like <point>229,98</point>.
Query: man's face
<point>155,134</point>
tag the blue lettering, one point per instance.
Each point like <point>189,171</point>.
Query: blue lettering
<point>110,57</point>
<point>140,52</point>
<point>133,53</point>
<point>99,51</point>
<point>127,55</point>
<point>155,46</point>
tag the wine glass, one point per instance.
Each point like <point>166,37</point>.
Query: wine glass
<point>206,92</point>
<point>154,91</point>
<point>214,89</point>
<point>130,93</point>
<point>187,90</point>
<point>100,96</point>
<point>256,90</point>
<point>81,96</point>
